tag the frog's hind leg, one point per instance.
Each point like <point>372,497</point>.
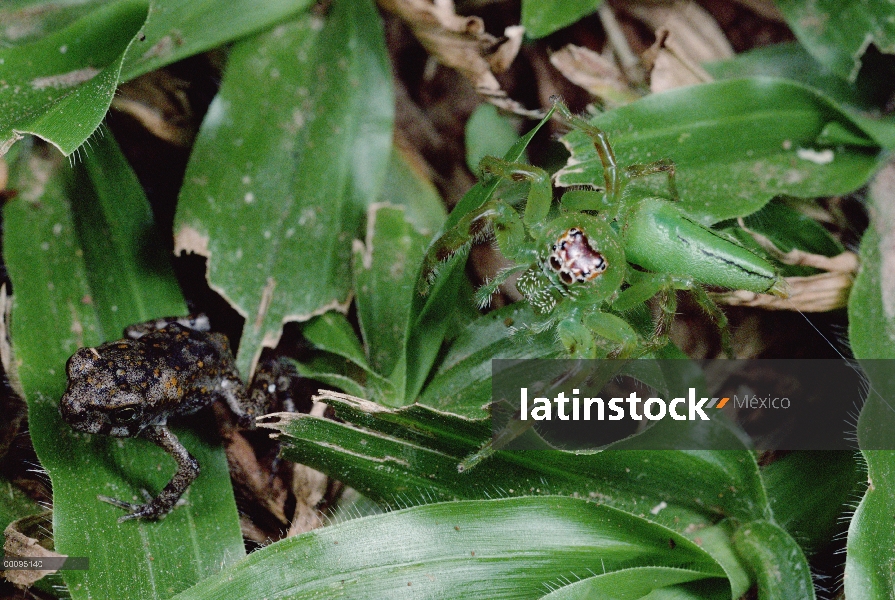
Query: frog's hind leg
<point>187,472</point>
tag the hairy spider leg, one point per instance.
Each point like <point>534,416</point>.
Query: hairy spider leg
<point>665,287</point>
<point>612,177</point>
<point>540,197</point>
<point>578,336</point>
<point>616,180</point>
<point>483,294</point>
<point>494,217</point>
<point>665,165</point>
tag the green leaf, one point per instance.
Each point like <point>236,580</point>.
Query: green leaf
<point>408,186</point>
<point>838,32</point>
<point>871,306</point>
<point>869,551</point>
<point>626,584</point>
<point>776,560</point>
<point>508,548</point>
<point>331,332</point>
<point>385,270</point>
<point>871,315</point>
<point>34,19</point>
<point>462,383</point>
<point>291,152</point>
<point>488,133</point>
<point>60,85</point>
<point>414,453</point>
<point>789,229</point>
<point>175,30</point>
<point>736,144</point>
<point>85,261</point>
<point>543,17</point>
<point>810,491</point>
<point>791,61</point>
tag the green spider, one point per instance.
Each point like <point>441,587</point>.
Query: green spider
<point>599,254</point>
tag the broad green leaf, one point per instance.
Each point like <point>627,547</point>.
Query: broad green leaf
<point>869,551</point>
<point>810,491</point>
<point>871,312</point>
<point>488,133</point>
<point>871,307</point>
<point>175,30</point>
<point>736,144</point>
<point>507,548</point>
<point>291,152</point>
<point>462,383</point>
<point>408,186</point>
<point>27,20</point>
<point>625,584</point>
<point>777,561</point>
<point>331,332</point>
<point>543,17</point>
<point>790,60</point>
<point>414,453</point>
<point>385,269</point>
<point>85,261</point>
<point>838,32</point>
<point>383,308</point>
<point>59,85</point>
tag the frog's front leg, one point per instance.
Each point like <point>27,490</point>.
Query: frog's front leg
<point>187,472</point>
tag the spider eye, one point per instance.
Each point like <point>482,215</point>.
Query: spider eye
<point>555,263</point>
<point>124,415</point>
<point>566,277</point>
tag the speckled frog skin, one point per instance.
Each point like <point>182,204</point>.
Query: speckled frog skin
<point>130,387</point>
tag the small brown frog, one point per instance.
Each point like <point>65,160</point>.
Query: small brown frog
<point>164,368</point>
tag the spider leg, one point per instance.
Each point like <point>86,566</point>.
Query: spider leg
<point>483,294</point>
<point>716,315</point>
<point>540,197</point>
<point>649,285</point>
<point>614,179</point>
<point>617,331</point>
<point>493,217</point>
<point>660,166</point>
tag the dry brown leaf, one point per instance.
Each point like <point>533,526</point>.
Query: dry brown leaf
<point>764,8</point>
<point>686,36</point>
<point>247,473</point>
<point>462,44</point>
<point>815,293</point>
<point>20,543</point>
<point>159,102</point>
<point>593,72</point>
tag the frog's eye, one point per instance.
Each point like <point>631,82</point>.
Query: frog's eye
<point>124,415</point>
